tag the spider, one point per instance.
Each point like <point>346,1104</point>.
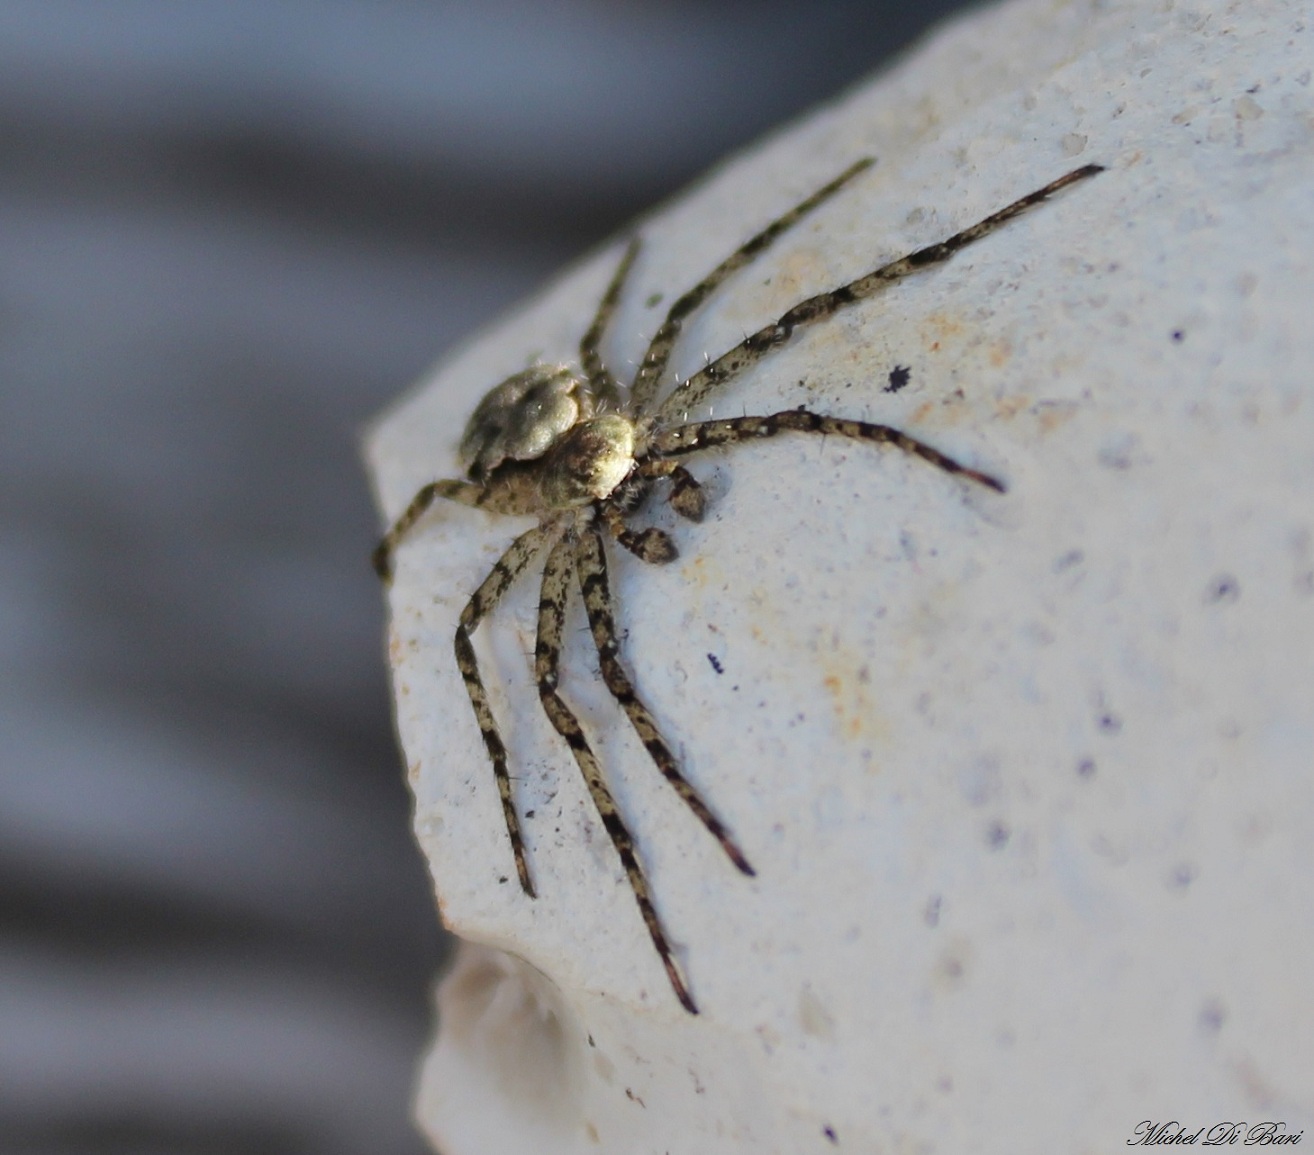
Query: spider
<point>568,444</point>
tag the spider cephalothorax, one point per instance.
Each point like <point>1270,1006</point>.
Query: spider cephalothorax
<point>567,444</point>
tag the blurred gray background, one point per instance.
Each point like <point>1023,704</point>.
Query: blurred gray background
<point>230,231</point>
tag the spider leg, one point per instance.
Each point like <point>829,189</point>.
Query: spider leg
<point>465,492</point>
<point>592,563</point>
<point>686,496</point>
<point>603,384</point>
<point>756,346</point>
<point>663,341</point>
<point>557,574</point>
<point>500,578</point>
<point>701,435</point>
<point>650,545</point>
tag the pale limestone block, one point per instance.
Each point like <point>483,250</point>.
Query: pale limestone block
<point>1028,779</point>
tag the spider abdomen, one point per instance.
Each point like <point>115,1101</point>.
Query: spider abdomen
<point>520,419</point>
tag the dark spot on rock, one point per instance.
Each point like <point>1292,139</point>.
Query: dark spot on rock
<point>1213,1015</point>
<point>1178,336</point>
<point>931,912</point>
<point>1121,450</point>
<point>1223,589</point>
<point>997,836</point>
<point>1086,768</point>
<point>899,377</point>
<point>1183,875</point>
<point>829,1132</point>
<point>716,665</point>
<point>1110,723</point>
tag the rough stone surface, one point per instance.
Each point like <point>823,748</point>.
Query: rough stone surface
<point>1028,780</point>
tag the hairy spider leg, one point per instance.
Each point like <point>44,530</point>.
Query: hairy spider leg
<point>591,559</point>
<point>651,545</point>
<point>604,386</point>
<point>465,492</point>
<point>753,348</point>
<point>644,389</point>
<point>557,573</point>
<point>701,435</point>
<point>686,496</point>
<point>500,578</point>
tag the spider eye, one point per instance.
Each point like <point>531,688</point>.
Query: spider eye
<point>521,418</point>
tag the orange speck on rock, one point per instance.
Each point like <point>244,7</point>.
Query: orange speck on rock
<point>1049,416</point>
<point>940,328</point>
<point>850,708</point>
<point>1008,407</point>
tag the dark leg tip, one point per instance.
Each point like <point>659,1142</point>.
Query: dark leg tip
<point>737,857</point>
<point>687,500</point>
<point>984,479</point>
<point>681,991</point>
<point>382,561</point>
<point>656,547</point>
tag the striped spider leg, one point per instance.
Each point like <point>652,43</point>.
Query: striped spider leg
<point>580,553</point>
<point>754,347</point>
<point>570,445</point>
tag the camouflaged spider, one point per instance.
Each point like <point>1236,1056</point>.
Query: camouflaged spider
<point>569,445</point>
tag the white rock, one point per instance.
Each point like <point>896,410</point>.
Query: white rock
<point>1028,780</point>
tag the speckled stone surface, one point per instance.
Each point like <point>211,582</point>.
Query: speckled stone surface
<point>1028,779</point>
